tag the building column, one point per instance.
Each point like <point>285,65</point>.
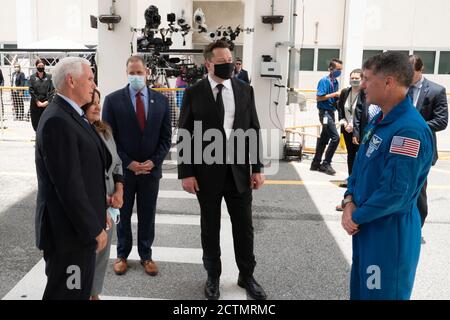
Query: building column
<point>259,43</point>
<point>353,45</point>
<point>26,20</point>
<point>114,45</point>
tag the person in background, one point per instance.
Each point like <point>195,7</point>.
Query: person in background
<point>327,98</point>
<point>430,99</point>
<point>18,80</point>
<point>41,91</point>
<point>180,84</point>
<point>114,187</point>
<point>140,121</point>
<point>240,73</point>
<point>380,204</point>
<point>2,83</point>
<point>351,98</point>
<point>348,101</point>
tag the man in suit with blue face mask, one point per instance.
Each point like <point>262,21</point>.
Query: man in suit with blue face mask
<point>327,97</point>
<point>140,120</point>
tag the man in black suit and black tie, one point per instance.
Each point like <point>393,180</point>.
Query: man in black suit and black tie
<point>71,200</point>
<point>222,104</point>
<point>240,73</point>
<point>430,100</point>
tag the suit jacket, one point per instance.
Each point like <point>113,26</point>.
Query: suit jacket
<point>243,75</point>
<point>133,145</point>
<point>115,169</point>
<point>361,111</point>
<point>199,105</point>
<point>20,79</point>
<point>41,90</point>
<point>432,105</point>
<point>71,200</point>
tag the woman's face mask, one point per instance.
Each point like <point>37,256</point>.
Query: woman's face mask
<point>355,83</point>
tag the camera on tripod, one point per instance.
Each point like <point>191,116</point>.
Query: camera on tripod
<point>148,42</point>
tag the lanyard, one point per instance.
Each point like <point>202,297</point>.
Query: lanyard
<point>373,126</point>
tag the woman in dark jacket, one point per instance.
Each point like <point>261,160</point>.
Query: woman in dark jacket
<point>350,107</point>
<point>114,186</point>
<point>41,91</point>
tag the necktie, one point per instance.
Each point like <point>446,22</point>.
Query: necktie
<point>219,102</point>
<point>90,127</point>
<point>411,93</point>
<point>140,111</point>
<point>86,123</point>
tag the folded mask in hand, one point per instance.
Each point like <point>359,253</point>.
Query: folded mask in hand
<point>115,214</point>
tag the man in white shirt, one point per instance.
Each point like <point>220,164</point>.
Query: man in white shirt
<point>222,104</point>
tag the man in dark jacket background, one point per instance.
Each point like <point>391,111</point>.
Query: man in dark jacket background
<point>430,99</point>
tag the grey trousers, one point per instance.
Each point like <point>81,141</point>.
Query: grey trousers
<point>101,262</point>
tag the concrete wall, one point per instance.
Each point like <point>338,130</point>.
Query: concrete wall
<point>400,24</point>
<point>70,20</point>
<point>262,42</point>
<point>8,27</point>
<point>42,19</point>
<point>389,25</point>
<point>406,24</point>
<point>322,28</point>
<point>329,14</point>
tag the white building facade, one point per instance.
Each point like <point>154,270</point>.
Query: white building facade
<point>412,26</point>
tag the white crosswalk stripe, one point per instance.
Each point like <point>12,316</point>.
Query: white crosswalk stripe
<point>32,285</point>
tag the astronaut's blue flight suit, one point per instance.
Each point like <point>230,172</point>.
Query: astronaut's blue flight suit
<point>390,168</point>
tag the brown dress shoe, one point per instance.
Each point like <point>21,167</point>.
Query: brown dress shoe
<point>120,266</point>
<point>150,267</point>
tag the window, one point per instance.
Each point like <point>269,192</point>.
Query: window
<point>10,46</point>
<point>369,54</point>
<point>405,52</point>
<point>444,62</point>
<point>429,60</point>
<point>307,60</point>
<point>8,57</point>
<point>324,58</point>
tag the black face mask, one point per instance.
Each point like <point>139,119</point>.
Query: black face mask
<point>224,71</point>
<point>41,69</point>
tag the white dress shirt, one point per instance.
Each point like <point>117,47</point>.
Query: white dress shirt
<point>417,88</point>
<point>228,103</point>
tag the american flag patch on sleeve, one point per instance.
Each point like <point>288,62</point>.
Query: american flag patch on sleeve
<point>405,146</point>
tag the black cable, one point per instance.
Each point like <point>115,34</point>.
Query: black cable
<point>303,24</point>
<point>277,104</point>
<point>278,126</point>
<point>131,42</point>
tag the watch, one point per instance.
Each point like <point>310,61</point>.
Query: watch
<point>346,201</point>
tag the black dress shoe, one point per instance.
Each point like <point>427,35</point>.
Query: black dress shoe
<point>253,288</point>
<point>315,166</point>
<point>212,289</point>
<point>327,168</point>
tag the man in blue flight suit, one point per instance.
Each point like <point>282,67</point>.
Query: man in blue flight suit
<point>380,205</point>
